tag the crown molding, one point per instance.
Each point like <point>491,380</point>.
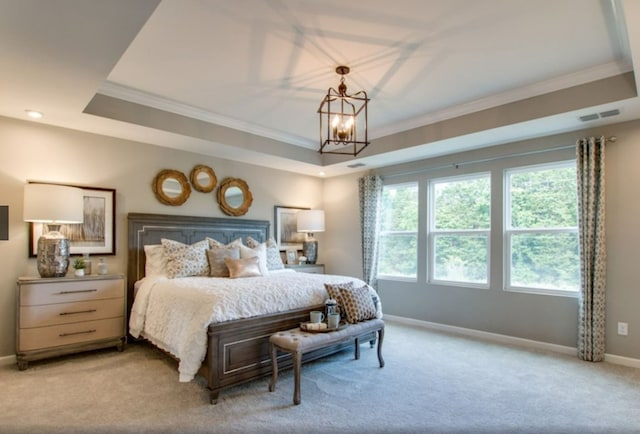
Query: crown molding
<point>129,94</point>
<point>535,89</point>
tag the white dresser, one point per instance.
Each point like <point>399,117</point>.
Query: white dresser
<point>64,315</point>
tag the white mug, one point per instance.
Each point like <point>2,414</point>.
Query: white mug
<point>316,316</point>
<point>333,320</point>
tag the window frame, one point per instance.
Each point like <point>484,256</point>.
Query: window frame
<point>382,233</point>
<point>508,231</point>
<point>433,233</point>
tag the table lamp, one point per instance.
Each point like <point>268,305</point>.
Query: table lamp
<point>53,205</point>
<point>310,221</point>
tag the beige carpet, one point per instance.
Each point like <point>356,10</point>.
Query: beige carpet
<point>432,382</point>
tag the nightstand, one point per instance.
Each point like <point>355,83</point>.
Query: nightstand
<point>307,268</point>
<point>64,315</point>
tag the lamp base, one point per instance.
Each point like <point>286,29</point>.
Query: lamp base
<point>53,255</point>
<point>310,250</point>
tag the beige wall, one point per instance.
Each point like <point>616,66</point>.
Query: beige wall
<point>32,151</point>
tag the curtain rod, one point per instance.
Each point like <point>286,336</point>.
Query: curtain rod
<point>486,160</point>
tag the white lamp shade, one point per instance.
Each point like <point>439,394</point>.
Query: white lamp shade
<point>310,220</point>
<point>50,203</point>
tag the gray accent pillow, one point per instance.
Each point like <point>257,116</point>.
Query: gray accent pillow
<point>274,260</point>
<point>216,258</point>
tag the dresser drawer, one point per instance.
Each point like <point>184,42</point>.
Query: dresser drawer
<point>32,294</point>
<point>66,313</point>
<point>65,334</point>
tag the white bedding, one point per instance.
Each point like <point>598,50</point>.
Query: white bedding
<point>174,313</point>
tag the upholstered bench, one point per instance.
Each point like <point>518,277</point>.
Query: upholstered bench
<point>297,342</point>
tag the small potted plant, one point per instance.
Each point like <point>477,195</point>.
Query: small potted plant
<point>79,265</point>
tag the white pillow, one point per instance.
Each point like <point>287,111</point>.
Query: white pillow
<point>274,261</point>
<point>261,252</point>
<point>155,263</point>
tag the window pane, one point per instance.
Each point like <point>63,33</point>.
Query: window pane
<point>544,198</point>
<point>398,255</point>
<point>400,208</point>
<point>461,258</point>
<point>462,204</point>
<point>547,261</point>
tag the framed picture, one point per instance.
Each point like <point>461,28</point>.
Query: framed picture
<point>292,257</point>
<point>96,235</point>
<point>286,224</point>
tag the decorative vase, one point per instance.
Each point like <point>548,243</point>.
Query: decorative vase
<point>79,272</point>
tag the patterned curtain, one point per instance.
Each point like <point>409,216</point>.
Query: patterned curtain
<point>370,189</point>
<point>593,255</point>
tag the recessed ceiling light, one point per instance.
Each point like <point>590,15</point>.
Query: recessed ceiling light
<point>34,114</point>
<point>321,173</point>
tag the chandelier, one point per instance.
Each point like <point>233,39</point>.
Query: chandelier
<point>343,119</point>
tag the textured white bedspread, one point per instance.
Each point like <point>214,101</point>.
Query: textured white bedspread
<point>174,313</point>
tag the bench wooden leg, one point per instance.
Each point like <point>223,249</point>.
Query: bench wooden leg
<point>297,359</point>
<point>274,367</point>
<point>357,355</point>
<point>380,339</point>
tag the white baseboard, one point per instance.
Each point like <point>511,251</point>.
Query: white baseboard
<point>8,360</point>
<point>511,340</point>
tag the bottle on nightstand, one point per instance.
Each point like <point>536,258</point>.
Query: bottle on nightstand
<point>102,267</point>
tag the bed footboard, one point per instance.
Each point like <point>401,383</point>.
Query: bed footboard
<point>238,351</point>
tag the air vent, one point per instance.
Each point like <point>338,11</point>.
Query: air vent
<point>608,113</point>
<point>353,166</point>
<point>587,118</point>
<point>594,116</point>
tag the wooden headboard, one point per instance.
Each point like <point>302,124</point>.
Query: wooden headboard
<point>151,228</point>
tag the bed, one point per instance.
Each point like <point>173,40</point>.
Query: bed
<point>236,348</point>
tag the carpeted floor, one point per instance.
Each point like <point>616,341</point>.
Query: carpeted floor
<point>432,382</point>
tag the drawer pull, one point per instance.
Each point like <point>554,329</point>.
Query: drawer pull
<point>77,291</point>
<point>76,333</point>
<point>79,311</point>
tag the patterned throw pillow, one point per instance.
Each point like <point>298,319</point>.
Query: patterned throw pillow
<point>274,261</point>
<point>216,260</point>
<point>185,260</point>
<point>247,267</point>
<point>358,304</point>
<point>333,289</point>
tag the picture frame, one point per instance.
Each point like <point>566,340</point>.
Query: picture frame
<point>96,236</point>
<point>285,222</point>
<point>292,256</point>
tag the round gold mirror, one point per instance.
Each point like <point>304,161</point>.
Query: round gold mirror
<point>203,178</point>
<point>171,187</point>
<point>234,197</point>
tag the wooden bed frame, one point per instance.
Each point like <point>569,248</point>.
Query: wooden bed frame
<point>238,351</point>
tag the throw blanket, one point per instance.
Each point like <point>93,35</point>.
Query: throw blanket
<point>174,313</point>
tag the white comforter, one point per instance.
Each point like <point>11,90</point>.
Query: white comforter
<point>174,313</point>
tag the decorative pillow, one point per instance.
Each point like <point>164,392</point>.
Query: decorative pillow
<point>185,260</point>
<point>274,260</point>
<point>333,289</point>
<point>261,252</point>
<point>216,259</point>
<point>155,262</point>
<point>215,244</point>
<point>247,267</point>
<point>358,304</point>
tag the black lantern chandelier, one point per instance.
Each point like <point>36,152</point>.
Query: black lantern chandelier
<point>343,120</point>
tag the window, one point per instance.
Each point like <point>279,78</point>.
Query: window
<point>398,244</point>
<point>542,229</point>
<point>459,229</point>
